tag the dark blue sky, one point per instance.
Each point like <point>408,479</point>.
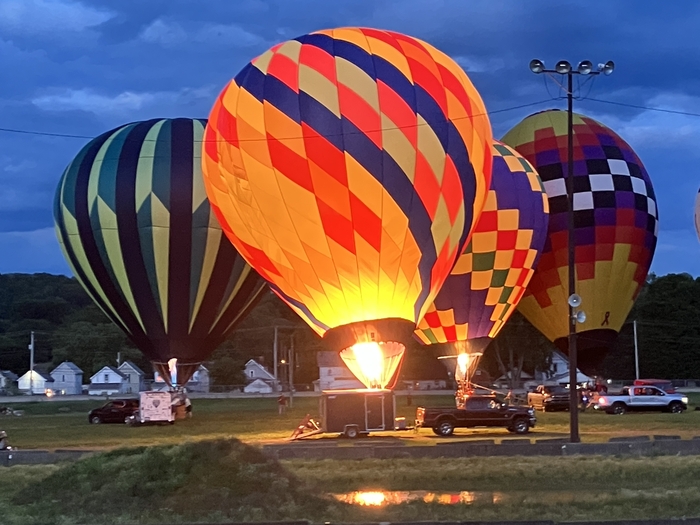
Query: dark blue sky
<point>82,68</point>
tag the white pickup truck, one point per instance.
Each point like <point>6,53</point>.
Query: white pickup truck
<point>641,398</point>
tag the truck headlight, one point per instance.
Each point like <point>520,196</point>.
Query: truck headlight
<point>685,400</point>
<point>602,401</point>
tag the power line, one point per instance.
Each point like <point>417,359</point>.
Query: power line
<point>635,106</point>
<point>391,128</point>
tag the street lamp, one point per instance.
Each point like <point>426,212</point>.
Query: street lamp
<point>564,68</point>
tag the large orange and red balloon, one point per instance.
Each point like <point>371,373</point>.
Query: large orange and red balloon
<point>348,167</point>
<point>615,229</point>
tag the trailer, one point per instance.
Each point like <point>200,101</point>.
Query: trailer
<point>358,412</point>
<point>154,407</point>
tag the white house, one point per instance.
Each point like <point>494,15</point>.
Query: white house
<point>37,381</point>
<point>255,373</point>
<point>199,382</point>
<point>7,380</point>
<point>559,371</point>
<point>333,374</point>
<point>67,379</point>
<point>134,377</point>
<point>258,386</point>
<point>108,381</point>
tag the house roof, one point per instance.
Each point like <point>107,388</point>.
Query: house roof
<point>111,369</point>
<point>132,365</point>
<point>47,378</point>
<point>9,375</point>
<point>329,359</point>
<point>67,366</point>
<point>254,363</point>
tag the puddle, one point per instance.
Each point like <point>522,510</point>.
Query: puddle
<point>378,498</point>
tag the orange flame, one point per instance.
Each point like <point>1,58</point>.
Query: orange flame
<point>172,366</point>
<point>373,363</point>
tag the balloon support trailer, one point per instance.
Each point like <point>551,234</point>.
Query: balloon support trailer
<point>353,413</point>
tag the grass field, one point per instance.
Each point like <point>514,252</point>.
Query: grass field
<point>63,424</point>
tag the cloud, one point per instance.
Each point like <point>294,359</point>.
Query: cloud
<point>123,103</point>
<point>46,17</point>
<point>480,65</point>
<point>31,251</point>
<point>171,34</point>
<point>21,166</point>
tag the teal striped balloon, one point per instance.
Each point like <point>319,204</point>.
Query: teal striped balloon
<point>137,229</point>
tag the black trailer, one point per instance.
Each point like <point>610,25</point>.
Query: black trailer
<point>360,411</point>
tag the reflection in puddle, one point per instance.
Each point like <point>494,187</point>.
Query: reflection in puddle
<point>381,498</point>
<point>377,498</point>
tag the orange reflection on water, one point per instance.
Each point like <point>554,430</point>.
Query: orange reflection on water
<point>377,498</point>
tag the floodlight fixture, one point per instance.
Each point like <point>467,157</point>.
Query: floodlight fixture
<point>563,67</point>
<point>585,67</point>
<point>536,66</point>
<point>574,300</point>
<point>607,68</point>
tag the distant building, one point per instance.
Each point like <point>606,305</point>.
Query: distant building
<point>134,378</point>
<point>258,386</point>
<point>424,384</point>
<point>199,382</point>
<point>107,382</point>
<point>255,372</point>
<point>67,379</point>
<point>333,374</point>
<point>8,380</point>
<point>558,372</point>
<point>37,381</point>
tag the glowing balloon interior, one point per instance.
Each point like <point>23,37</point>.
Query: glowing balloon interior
<point>615,222</point>
<point>374,364</point>
<point>137,229</point>
<point>348,167</point>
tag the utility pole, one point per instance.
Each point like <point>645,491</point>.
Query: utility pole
<point>31,365</point>
<point>564,68</point>
<point>290,364</point>
<point>636,351</point>
<point>275,347</point>
<point>119,359</point>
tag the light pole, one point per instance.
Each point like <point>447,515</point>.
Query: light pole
<point>564,68</point>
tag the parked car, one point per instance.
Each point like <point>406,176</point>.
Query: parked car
<point>642,398</point>
<point>115,411</point>
<point>548,398</point>
<point>663,384</point>
<point>478,411</point>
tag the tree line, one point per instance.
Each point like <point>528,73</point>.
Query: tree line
<point>68,326</point>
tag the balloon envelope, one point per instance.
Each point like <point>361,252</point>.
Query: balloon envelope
<point>348,167</point>
<point>615,230</point>
<point>492,273</point>
<point>135,225</point>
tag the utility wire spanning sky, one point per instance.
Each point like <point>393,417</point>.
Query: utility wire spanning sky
<point>72,70</point>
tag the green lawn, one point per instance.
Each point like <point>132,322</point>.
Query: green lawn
<point>63,424</point>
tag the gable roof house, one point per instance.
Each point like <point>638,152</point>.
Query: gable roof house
<point>108,381</point>
<point>333,374</point>
<point>67,379</point>
<point>134,377</point>
<point>37,381</point>
<point>257,375</point>
<point>7,380</point>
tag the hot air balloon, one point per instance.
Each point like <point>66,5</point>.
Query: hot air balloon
<point>348,166</point>
<point>492,273</point>
<point>135,225</point>
<point>615,222</point>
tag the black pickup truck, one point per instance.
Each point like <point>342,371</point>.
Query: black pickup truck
<point>478,411</point>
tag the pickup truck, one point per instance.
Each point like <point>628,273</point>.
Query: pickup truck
<point>478,411</point>
<point>549,397</point>
<point>641,398</point>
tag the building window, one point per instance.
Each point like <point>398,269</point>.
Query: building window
<point>106,378</point>
<point>252,373</point>
<point>63,379</point>
<point>128,378</point>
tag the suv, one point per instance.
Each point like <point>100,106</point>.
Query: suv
<point>478,411</point>
<point>115,411</point>
<point>549,397</point>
